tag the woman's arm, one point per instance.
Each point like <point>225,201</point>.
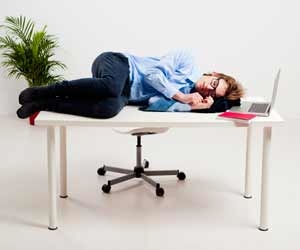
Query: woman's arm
<point>179,63</point>
<point>192,99</point>
<point>205,104</point>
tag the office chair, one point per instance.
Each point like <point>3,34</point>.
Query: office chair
<point>139,170</point>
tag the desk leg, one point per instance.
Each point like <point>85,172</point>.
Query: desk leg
<point>264,206</point>
<point>51,178</point>
<point>249,165</point>
<point>63,162</point>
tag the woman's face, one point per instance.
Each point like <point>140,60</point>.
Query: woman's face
<point>211,86</point>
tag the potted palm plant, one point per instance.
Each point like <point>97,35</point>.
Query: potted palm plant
<point>28,53</point>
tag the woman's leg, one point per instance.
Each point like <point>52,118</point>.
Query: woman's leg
<point>110,74</point>
<point>114,68</point>
<point>105,108</point>
<point>110,79</point>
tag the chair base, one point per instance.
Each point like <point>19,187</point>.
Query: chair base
<point>138,172</point>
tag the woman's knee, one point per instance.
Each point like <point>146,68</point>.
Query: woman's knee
<point>96,65</point>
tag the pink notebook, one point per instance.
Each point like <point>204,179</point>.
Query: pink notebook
<point>236,116</point>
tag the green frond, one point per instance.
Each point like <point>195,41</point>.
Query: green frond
<point>7,43</point>
<point>28,53</point>
<point>19,27</point>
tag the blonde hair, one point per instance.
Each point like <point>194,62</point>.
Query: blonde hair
<point>235,90</point>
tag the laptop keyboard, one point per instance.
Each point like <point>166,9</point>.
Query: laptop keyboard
<point>259,107</point>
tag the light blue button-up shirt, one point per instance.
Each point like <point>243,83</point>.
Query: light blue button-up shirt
<point>166,75</point>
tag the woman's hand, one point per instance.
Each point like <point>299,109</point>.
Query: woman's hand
<point>192,99</point>
<point>205,104</point>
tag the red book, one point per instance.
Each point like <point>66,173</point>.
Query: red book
<point>236,116</point>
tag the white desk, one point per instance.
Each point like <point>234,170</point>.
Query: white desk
<point>132,117</point>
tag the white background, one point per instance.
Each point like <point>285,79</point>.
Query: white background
<point>248,39</point>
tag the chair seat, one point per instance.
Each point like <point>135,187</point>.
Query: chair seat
<point>140,131</point>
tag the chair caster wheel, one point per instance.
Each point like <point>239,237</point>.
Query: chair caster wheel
<point>181,176</point>
<point>101,171</point>
<point>106,188</point>
<point>160,191</point>
<point>146,163</point>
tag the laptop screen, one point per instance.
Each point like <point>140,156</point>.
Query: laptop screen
<point>275,89</point>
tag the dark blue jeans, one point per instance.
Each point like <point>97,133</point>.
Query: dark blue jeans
<point>102,96</point>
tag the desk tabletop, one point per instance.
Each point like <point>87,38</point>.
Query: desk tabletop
<point>130,116</point>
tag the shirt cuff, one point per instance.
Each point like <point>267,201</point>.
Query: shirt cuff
<point>170,92</point>
<point>180,107</point>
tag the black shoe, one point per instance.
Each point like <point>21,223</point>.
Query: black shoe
<point>34,94</point>
<point>27,95</point>
<point>28,109</point>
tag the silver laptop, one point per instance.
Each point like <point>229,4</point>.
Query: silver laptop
<point>259,108</point>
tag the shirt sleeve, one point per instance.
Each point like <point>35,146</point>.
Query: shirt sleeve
<point>179,63</point>
<point>179,107</point>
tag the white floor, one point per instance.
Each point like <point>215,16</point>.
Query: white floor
<point>207,211</point>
